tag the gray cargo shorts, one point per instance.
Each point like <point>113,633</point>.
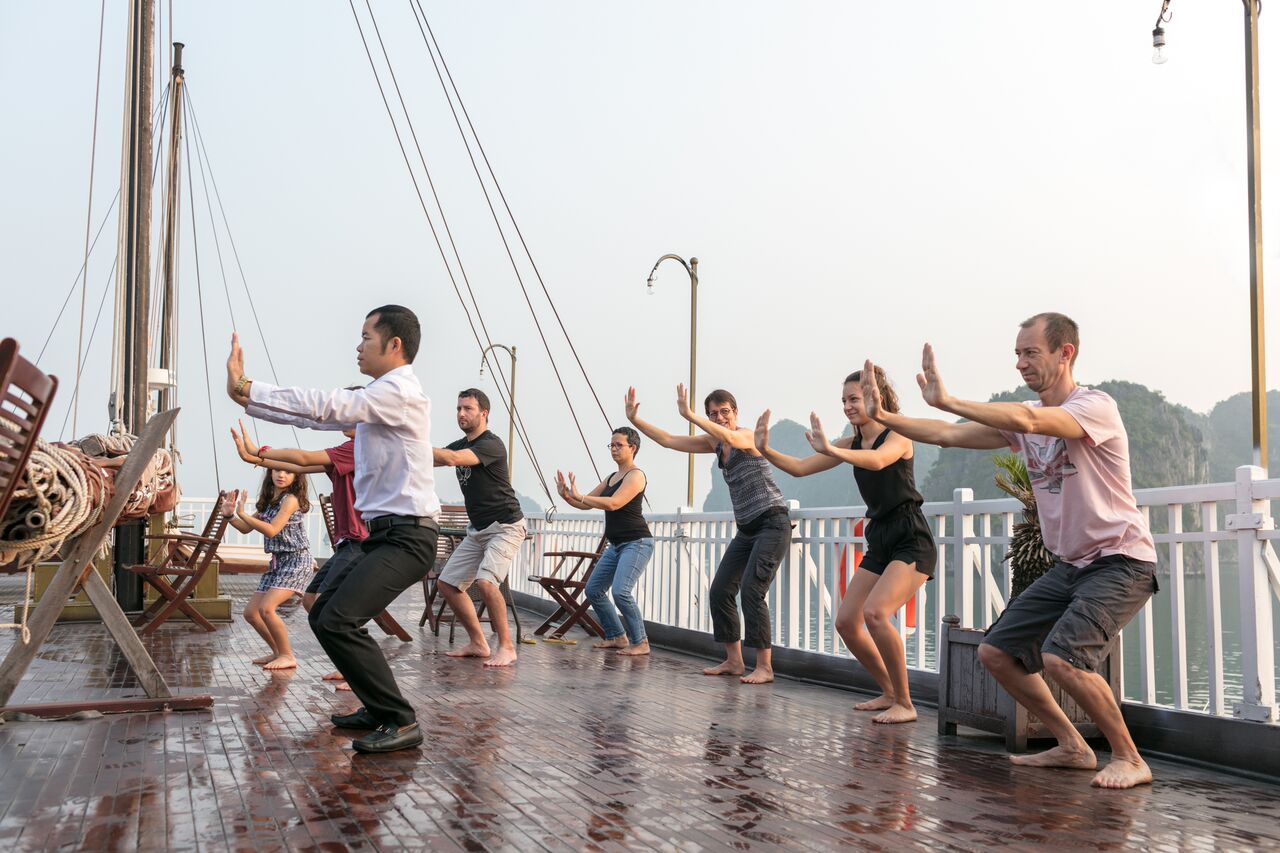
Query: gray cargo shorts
<point>484,555</point>
<point>1074,613</point>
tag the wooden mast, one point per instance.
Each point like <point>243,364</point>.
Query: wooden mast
<point>129,392</point>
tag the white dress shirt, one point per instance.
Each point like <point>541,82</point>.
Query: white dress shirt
<point>395,474</point>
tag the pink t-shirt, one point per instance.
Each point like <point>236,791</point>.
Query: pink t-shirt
<point>1083,487</point>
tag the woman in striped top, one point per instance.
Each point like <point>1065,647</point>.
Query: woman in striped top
<point>764,528</point>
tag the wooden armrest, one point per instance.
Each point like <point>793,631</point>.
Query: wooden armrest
<point>184,537</point>
<point>584,554</point>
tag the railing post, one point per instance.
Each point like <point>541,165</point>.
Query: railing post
<point>683,577</point>
<point>1258,656</point>
<point>796,574</point>
<point>962,570</point>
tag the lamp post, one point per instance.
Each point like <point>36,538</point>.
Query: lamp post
<point>511,400</point>
<point>1253,137</point>
<point>691,267</point>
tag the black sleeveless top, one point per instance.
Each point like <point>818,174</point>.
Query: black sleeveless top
<point>625,524</point>
<point>888,489</point>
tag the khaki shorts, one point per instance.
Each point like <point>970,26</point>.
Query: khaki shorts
<point>484,555</point>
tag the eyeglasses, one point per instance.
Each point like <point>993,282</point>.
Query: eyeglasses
<point>613,445</point>
<point>724,413</point>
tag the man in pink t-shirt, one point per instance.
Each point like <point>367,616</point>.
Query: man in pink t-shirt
<point>1077,454</point>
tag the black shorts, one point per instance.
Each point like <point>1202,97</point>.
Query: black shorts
<point>1074,613</point>
<point>902,535</point>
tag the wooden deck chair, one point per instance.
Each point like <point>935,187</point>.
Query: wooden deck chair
<point>453,529</point>
<point>565,584</point>
<point>23,407</point>
<point>175,571</point>
<point>383,620</point>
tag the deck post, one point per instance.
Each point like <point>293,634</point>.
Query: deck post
<point>961,532</point>
<point>1257,658</point>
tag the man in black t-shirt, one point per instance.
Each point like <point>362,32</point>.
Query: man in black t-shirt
<point>495,531</point>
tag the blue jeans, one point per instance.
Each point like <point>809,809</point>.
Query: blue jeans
<point>619,568</point>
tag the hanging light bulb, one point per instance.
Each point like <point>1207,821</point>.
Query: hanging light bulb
<point>1159,57</point>
<point>650,285</point>
<point>482,369</point>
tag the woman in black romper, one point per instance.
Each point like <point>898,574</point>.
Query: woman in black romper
<point>900,555</point>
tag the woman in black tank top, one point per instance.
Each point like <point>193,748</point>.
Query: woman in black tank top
<point>901,554</point>
<point>630,545</point>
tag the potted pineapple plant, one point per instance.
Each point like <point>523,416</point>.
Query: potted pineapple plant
<point>967,694</point>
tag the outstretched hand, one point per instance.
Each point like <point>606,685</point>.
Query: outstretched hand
<point>930,380</point>
<point>762,431</point>
<point>632,404</point>
<point>228,505</point>
<point>682,402</point>
<point>816,435</point>
<point>244,445</point>
<point>235,366</point>
<point>872,405</point>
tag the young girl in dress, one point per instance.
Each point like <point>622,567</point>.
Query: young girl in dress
<point>282,505</point>
<point>901,555</point>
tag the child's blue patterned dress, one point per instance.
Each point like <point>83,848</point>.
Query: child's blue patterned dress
<point>291,562</point>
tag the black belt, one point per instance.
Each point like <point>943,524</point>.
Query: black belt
<point>385,522</point>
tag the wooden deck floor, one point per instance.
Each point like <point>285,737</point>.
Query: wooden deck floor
<point>570,750</point>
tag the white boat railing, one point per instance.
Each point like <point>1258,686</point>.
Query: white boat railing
<point>1205,643</point>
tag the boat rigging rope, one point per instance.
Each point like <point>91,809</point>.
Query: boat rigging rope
<point>498,186</point>
<point>503,385</point>
<point>542,481</point>
<point>88,218</point>
<point>160,103</point>
<point>204,343</point>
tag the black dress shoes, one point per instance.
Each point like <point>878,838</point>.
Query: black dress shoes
<point>389,738</point>
<point>361,719</point>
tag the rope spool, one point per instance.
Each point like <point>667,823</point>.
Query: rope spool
<point>61,494</point>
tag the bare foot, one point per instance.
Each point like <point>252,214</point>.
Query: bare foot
<point>726,668</point>
<point>471,650</point>
<point>640,648</point>
<point>1072,758</point>
<point>265,659</point>
<point>282,662</point>
<point>342,685</point>
<point>759,675</point>
<point>334,676</point>
<point>503,657</point>
<point>896,714</point>
<point>615,643</point>
<point>1123,773</point>
<point>881,703</point>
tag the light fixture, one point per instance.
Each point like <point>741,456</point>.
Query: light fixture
<point>1158,56</point>
<point>650,284</point>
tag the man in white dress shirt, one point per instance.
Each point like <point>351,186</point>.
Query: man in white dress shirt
<point>395,495</point>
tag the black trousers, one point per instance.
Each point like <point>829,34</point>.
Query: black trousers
<point>749,563</point>
<point>393,560</point>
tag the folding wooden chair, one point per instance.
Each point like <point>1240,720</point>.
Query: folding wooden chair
<point>176,570</point>
<point>383,620</point>
<point>565,584</point>
<point>23,408</point>
<point>453,529</point>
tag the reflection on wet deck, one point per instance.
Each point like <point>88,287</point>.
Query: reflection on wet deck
<point>571,750</point>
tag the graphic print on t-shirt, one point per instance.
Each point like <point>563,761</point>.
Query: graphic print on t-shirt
<point>464,475</point>
<point>1048,464</point>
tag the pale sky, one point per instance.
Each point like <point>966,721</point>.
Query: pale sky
<point>856,179</point>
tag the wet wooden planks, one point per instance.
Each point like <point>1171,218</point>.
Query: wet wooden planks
<point>571,750</point>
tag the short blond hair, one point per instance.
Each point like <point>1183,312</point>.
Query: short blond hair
<point>1059,329</point>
